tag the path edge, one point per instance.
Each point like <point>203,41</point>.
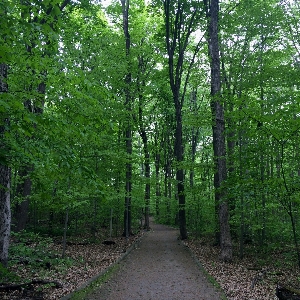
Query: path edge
<point>106,271</point>
<point>209,277</point>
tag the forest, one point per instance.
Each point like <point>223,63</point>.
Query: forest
<point>186,111</point>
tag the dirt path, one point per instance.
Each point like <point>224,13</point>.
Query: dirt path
<point>160,268</point>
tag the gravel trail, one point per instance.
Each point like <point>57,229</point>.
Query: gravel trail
<point>160,268</point>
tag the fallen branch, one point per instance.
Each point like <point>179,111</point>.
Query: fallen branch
<point>285,292</point>
<point>269,273</point>
<point>14,287</point>
<point>259,277</point>
<point>108,243</point>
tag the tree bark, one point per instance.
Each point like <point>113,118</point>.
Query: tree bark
<point>147,190</point>
<point>194,136</point>
<point>168,175</point>
<point>157,185</point>
<point>181,20</point>
<point>180,176</point>
<point>219,145</point>
<point>5,215</point>
<point>20,216</point>
<point>5,177</point>
<point>143,135</point>
<point>128,130</point>
<point>176,42</point>
<point>34,106</point>
<point>141,84</point>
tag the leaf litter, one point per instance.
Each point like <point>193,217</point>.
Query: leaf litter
<point>250,278</point>
<point>246,279</point>
<point>83,262</point>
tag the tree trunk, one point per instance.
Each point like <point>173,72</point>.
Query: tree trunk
<point>147,196</point>
<point>218,128</point>
<point>147,176</point>
<point>32,106</point>
<point>5,213</point>
<point>194,136</point>
<point>168,186</point>
<point>176,42</point>
<point>194,142</point>
<point>143,135</point>
<point>181,20</point>
<point>157,186</point>
<point>180,176</point>
<point>141,84</point>
<point>23,192</point>
<point>128,131</point>
<point>65,233</point>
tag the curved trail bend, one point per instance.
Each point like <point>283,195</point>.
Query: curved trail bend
<point>160,268</point>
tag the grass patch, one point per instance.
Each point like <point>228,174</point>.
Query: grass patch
<point>6,275</point>
<point>93,285</point>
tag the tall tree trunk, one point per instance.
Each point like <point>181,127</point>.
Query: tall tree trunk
<point>194,137</point>
<point>168,186</point>
<point>260,125</point>
<point>194,142</point>
<point>32,106</point>
<point>242,201</point>
<point>141,83</point>
<point>65,233</point>
<point>5,177</point>
<point>157,185</point>
<point>147,189</point>
<point>143,135</point>
<point>128,130</point>
<point>181,20</point>
<point>5,214</point>
<point>23,192</point>
<point>180,176</point>
<point>177,40</point>
<point>218,128</point>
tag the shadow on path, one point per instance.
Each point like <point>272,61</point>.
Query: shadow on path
<point>160,268</point>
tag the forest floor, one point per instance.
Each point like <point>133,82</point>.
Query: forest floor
<point>158,264</point>
<point>160,268</point>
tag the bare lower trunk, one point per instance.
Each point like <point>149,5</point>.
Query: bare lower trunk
<point>65,233</point>
<point>147,192</point>
<point>128,131</point>
<point>218,127</point>
<point>180,20</point>
<point>157,186</point>
<point>5,174</point>
<point>147,206</point>
<point>181,202</point>
<point>23,192</point>
<point>225,237</point>
<point>5,216</point>
<point>180,177</point>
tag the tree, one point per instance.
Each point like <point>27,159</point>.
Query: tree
<point>105,84</point>
<point>181,20</point>
<point>47,19</point>
<point>5,213</point>
<point>218,128</point>
<point>143,134</point>
<point>128,130</point>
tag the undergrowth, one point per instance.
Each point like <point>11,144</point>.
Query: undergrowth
<point>32,252</point>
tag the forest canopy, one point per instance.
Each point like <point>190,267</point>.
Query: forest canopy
<point>184,110</point>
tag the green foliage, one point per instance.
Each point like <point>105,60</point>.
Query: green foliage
<point>30,247</point>
<point>7,276</point>
<point>33,251</point>
<point>72,134</point>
